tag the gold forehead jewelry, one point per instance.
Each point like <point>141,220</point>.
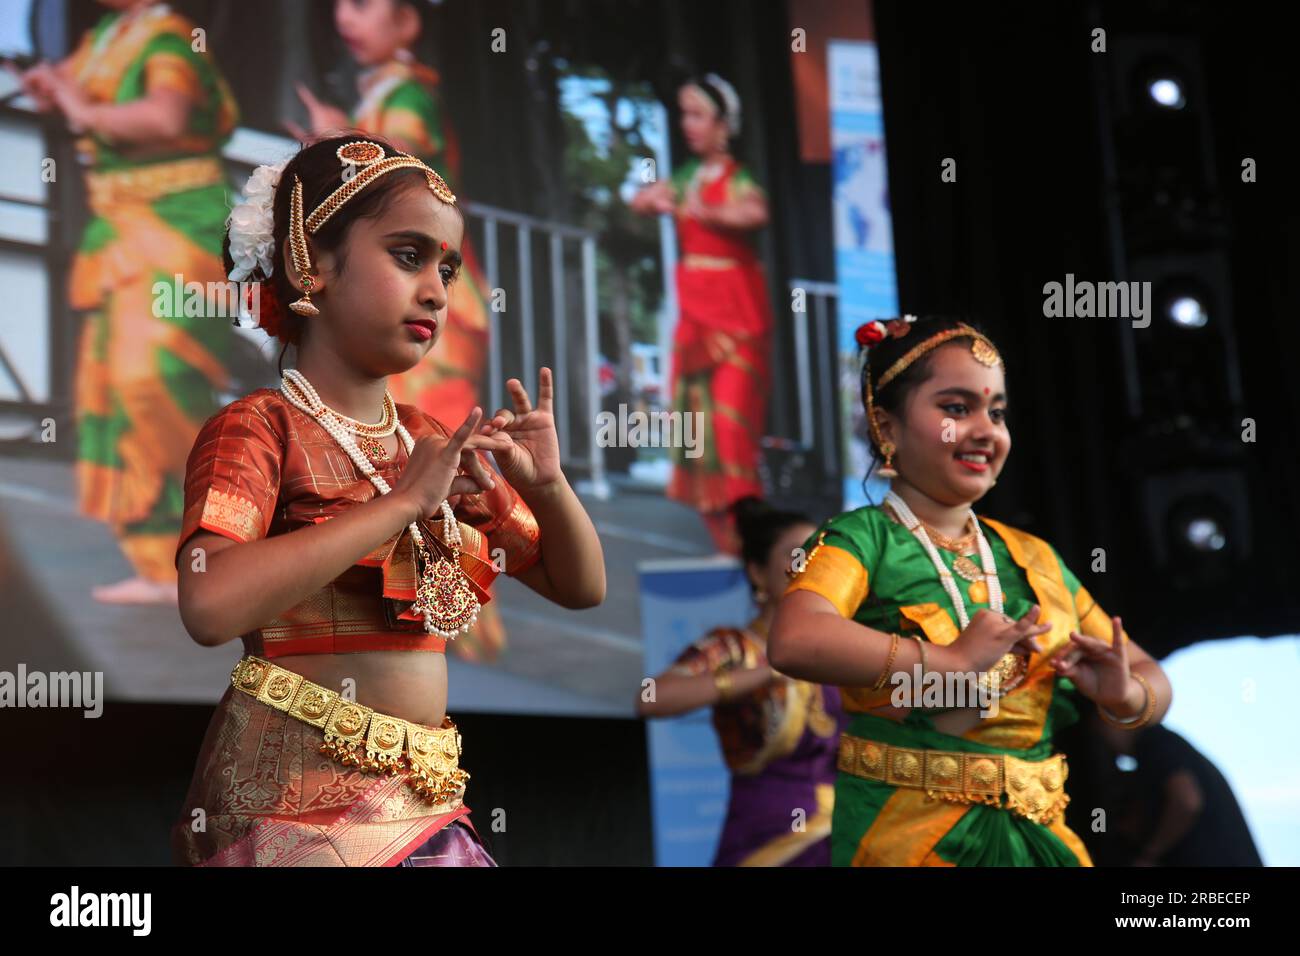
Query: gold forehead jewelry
<point>981,348</point>
<point>361,153</point>
<point>370,162</point>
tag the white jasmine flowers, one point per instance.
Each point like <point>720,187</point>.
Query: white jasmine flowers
<point>251,224</point>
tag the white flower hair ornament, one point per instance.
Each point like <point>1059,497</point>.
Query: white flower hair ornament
<point>731,101</point>
<point>252,224</point>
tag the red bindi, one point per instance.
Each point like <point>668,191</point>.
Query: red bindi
<point>986,391</point>
<point>444,249</point>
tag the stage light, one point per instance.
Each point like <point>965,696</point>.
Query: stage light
<point>1204,534</point>
<point>1187,311</point>
<point>1166,92</point>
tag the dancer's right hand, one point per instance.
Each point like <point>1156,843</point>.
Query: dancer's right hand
<point>990,635</point>
<point>431,474</point>
<point>38,83</point>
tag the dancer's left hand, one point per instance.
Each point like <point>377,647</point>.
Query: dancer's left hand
<point>1101,671</point>
<point>534,459</point>
<point>70,100</point>
<point>321,115</point>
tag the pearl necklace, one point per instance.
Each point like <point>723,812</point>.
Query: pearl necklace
<point>447,603</point>
<point>368,435</point>
<point>1011,668</point>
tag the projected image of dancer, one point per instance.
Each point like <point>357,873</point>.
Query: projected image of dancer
<point>150,115</point>
<point>374,523</point>
<point>778,735</point>
<point>721,347</point>
<point>401,101</point>
<point>921,586</point>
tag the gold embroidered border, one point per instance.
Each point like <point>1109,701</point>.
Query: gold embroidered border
<point>232,512</point>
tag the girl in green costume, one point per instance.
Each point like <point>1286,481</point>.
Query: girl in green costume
<point>151,113</point>
<point>886,595</point>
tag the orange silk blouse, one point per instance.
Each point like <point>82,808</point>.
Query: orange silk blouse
<point>261,467</point>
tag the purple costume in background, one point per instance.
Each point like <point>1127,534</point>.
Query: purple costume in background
<point>780,743</point>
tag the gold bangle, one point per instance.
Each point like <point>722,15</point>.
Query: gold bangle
<point>921,646</point>
<point>722,681</point>
<point>889,663</point>
<point>1133,723</point>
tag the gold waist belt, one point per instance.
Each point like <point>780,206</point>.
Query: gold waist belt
<point>695,260</point>
<point>147,183</point>
<point>1033,789</point>
<point>357,736</point>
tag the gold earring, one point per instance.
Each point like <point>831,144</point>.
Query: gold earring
<point>761,595</point>
<point>305,306</point>
<point>887,469</point>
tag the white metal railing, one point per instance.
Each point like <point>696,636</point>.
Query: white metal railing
<point>557,234</point>
<point>817,299</point>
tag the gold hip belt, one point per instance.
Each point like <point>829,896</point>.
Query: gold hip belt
<point>695,260</point>
<point>1033,789</point>
<point>357,736</point>
<point>147,183</point>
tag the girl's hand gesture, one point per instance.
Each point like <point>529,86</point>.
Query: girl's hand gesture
<point>990,635</point>
<point>321,116</point>
<point>38,83</point>
<point>432,473</point>
<point>533,456</point>
<point>657,198</point>
<point>1100,670</point>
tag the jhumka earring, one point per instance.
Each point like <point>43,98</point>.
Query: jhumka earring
<point>887,469</point>
<point>305,306</point>
<point>301,256</point>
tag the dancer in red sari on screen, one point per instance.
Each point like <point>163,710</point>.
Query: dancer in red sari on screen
<point>722,344</point>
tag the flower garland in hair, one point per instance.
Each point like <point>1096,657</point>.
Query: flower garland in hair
<point>876,331</point>
<point>251,225</point>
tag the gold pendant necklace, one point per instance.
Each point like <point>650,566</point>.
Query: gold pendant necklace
<point>372,448</point>
<point>968,569</point>
<point>444,596</point>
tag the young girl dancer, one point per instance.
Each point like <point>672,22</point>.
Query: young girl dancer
<point>778,735</point>
<point>375,526</point>
<point>921,585</point>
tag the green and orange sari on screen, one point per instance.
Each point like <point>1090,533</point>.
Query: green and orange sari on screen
<point>149,367</point>
<point>897,813</point>
<point>400,101</point>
